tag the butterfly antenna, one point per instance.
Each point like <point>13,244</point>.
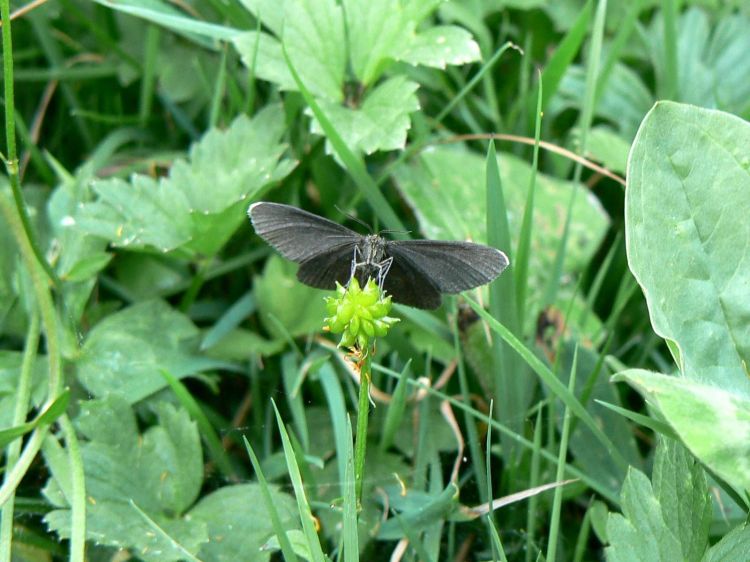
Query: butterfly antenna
<point>355,219</point>
<point>391,231</point>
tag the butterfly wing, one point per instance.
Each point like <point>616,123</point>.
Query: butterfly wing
<point>451,267</point>
<point>410,286</point>
<point>298,235</point>
<point>323,270</point>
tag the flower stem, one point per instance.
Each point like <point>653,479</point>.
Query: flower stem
<point>360,445</point>
<point>11,163</point>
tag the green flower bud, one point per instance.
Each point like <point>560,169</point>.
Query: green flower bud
<point>359,314</point>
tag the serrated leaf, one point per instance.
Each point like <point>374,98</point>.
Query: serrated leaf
<point>440,46</point>
<point>640,534</point>
<point>203,200</point>
<point>270,12</point>
<point>376,31</point>
<point>713,423</point>
<point>238,522</point>
<point>668,521</point>
<point>680,484</point>
<point>322,48</point>
<point>381,123</point>
<point>686,233</point>
<point>262,52</point>
<point>124,353</point>
<point>314,38</point>
<point>158,474</point>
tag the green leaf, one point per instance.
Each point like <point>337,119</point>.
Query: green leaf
<point>285,302</point>
<point>589,453</point>
<point>375,32</point>
<point>686,224</point>
<point>10,369</point>
<point>164,14</point>
<point>713,423</point>
<point>380,123</point>
<point>48,416</point>
<point>238,522</point>
<point>267,11</point>
<point>624,99</point>
<point>680,484</point>
<point>314,38</point>
<point>125,352</point>
<point>324,41</point>
<point>732,546</point>
<point>713,68</point>
<point>609,148</point>
<point>667,522</point>
<point>444,188</point>
<point>203,200</point>
<point>440,46</point>
<point>268,61</point>
<point>157,474</point>
<point>88,267</point>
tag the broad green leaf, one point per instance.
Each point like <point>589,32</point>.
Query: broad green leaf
<point>135,481</point>
<point>445,188</point>
<point>124,353</point>
<point>203,200</point>
<point>381,122</point>
<point>667,522</point>
<point>440,46</point>
<point>238,522</point>
<point>713,423</point>
<point>286,306</point>
<point>687,231</point>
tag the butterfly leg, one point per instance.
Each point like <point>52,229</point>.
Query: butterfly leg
<point>355,263</point>
<point>383,268</point>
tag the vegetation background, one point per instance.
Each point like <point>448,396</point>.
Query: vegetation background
<point>166,389</point>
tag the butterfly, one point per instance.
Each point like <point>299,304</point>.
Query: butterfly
<point>413,272</point>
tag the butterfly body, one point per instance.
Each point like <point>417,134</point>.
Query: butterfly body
<point>414,272</point>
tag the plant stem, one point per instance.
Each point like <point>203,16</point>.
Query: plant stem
<point>11,163</point>
<point>360,445</point>
<point>13,450</point>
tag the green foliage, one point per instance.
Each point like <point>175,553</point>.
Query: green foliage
<point>175,375</point>
<point>164,340</point>
<point>326,41</point>
<point>667,520</point>
<point>180,212</point>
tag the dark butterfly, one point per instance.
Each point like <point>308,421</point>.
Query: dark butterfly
<point>414,272</point>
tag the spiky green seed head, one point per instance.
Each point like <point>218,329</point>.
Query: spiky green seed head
<point>358,314</point>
